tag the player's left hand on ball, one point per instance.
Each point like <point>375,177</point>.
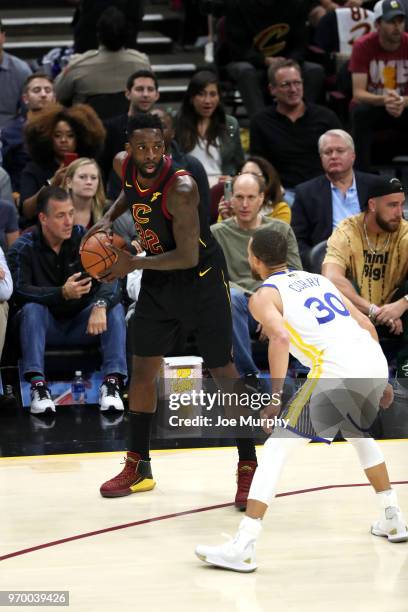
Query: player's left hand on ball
<point>387,398</point>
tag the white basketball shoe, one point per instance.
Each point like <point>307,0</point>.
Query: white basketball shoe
<point>239,553</point>
<point>392,525</point>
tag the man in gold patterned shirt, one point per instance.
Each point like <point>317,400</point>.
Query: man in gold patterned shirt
<point>367,260</point>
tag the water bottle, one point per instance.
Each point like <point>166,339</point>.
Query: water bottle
<point>78,389</point>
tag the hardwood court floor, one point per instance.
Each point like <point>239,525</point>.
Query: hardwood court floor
<point>316,552</point>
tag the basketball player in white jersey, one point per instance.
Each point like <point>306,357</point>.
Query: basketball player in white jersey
<point>304,314</point>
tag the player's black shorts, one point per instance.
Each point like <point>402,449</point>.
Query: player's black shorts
<point>173,303</point>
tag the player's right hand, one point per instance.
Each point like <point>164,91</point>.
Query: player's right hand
<point>75,287</point>
<point>103,225</point>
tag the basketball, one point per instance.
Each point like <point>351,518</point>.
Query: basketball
<point>96,257</point>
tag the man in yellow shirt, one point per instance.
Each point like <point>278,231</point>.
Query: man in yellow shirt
<point>367,259</point>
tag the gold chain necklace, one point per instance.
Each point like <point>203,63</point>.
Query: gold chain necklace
<point>370,247</point>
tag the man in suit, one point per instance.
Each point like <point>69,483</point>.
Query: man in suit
<point>322,202</point>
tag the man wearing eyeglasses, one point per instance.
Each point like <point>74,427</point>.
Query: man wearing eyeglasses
<point>287,133</point>
<point>323,202</point>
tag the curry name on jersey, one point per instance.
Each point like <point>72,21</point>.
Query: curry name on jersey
<point>319,324</point>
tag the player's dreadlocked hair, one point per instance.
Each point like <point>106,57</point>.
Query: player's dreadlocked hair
<point>142,121</point>
<point>270,246</point>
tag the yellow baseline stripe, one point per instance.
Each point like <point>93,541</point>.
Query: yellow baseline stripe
<point>160,451</point>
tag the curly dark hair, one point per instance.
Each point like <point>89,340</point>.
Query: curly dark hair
<point>84,122</point>
<point>187,119</point>
<point>143,121</point>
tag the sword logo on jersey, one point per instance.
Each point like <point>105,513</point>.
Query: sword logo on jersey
<point>155,196</point>
<point>147,237</point>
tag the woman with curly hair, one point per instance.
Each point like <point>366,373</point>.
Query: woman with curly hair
<point>204,130</point>
<point>83,181</point>
<point>50,136</point>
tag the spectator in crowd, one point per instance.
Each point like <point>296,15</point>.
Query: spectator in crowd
<point>50,136</point>
<point>9,231</point>
<point>124,225</point>
<point>88,13</point>
<point>142,91</point>
<point>83,181</point>
<point>60,307</point>
<point>5,186</point>
<point>233,235</point>
<point>204,130</point>
<point>102,70</point>
<point>6,289</point>
<point>380,79</point>
<point>367,260</point>
<point>38,92</point>
<point>274,205</point>
<point>321,203</point>
<point>13,73</point>
<point>340,27</point>
<point>326,6</point>
<point>286,134</point>
<point>257,35</point>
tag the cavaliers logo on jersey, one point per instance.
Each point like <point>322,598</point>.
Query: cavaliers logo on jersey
<point>138,212</point>
<point>271,40</point>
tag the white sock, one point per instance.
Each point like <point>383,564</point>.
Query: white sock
<point>249,530</point>
<point>388,499</point>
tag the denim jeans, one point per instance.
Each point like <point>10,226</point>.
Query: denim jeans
<point>243,325</point>
<point>38,329</point>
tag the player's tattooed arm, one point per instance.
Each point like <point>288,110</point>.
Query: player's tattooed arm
<point>266,308</point>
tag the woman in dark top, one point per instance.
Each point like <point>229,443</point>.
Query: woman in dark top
<point>50,136</point>
<point>204,130</point>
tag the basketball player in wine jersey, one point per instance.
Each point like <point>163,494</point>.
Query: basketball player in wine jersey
<point>184,287</point>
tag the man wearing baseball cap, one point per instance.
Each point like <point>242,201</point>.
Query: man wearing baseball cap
<point>379,67</point>
<point>367,260</point>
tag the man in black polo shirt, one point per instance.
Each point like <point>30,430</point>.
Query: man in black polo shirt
<point>59,306</point>
<point>142,91</point>
<point>287,133</point>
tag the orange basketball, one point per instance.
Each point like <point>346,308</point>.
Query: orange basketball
<point>96,257</point>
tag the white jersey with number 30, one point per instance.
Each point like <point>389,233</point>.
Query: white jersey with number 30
<point>323,334</point>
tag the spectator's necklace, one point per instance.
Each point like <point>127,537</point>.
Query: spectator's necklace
<point>370,247</point>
